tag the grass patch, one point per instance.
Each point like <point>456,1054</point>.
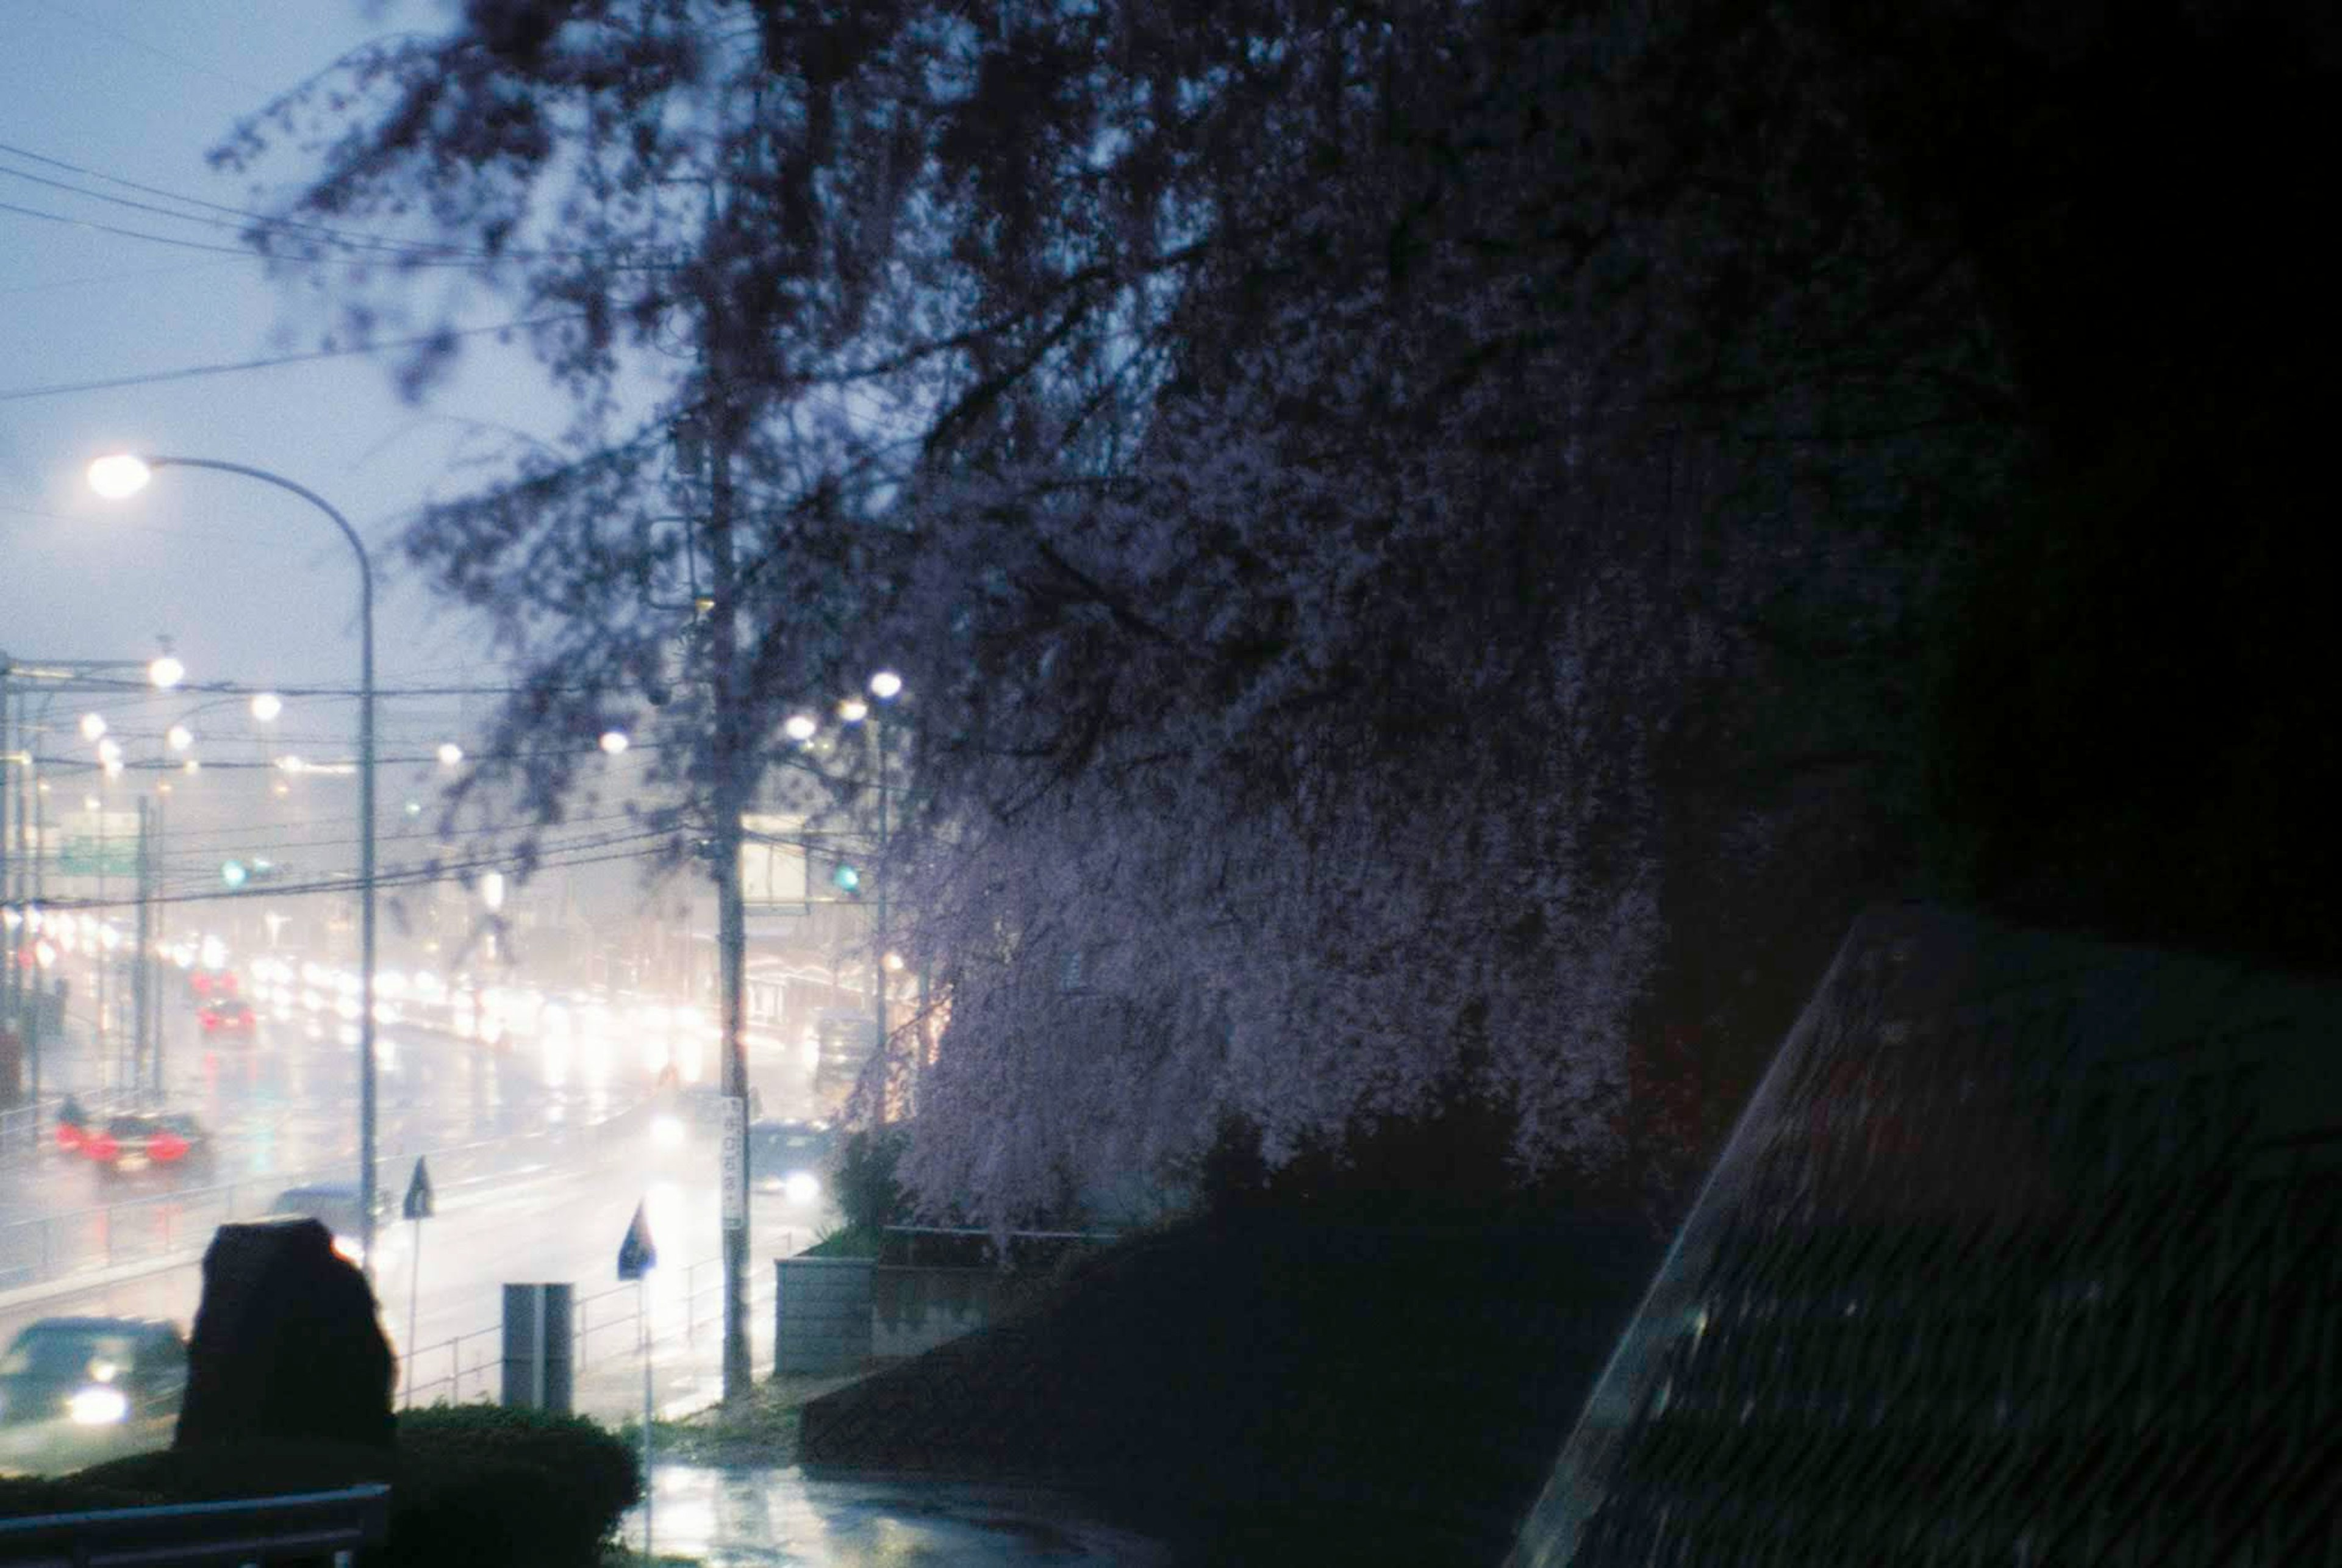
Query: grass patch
<point>757,1431</point>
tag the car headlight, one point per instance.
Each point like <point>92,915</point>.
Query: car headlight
<point>97,1406</point>
<point>801,1187</point>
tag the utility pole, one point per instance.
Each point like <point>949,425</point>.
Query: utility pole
<point>878,886</point>
<point>734,774</point>
<point>142,978</point>
<point>147,963</point>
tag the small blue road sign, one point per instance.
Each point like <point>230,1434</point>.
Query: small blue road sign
<point>637,1254</point>
<point>419,1204</point>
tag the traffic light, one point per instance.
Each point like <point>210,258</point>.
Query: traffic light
<point>848,880</point>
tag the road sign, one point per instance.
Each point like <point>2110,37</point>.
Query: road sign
<point>637,1254</point>
<point>735,1165</point>
<point>418,1205</point>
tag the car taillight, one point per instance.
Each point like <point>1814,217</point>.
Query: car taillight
<point>68,1136</point>
<point>102,1147</point>
<point>167,1147</point>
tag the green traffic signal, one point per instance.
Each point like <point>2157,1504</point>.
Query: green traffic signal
<point>232,873</point>
<point>847,879</point>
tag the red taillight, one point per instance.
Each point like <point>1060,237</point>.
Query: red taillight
<point>167,1147</point>
<point>101,1147</point>
<point>68,1136</point>
<point>211,1021</point>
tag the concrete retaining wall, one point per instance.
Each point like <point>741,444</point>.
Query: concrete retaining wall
<point>821,1315</point>
<point>914,1310</point>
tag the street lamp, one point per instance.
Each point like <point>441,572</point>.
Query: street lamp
<point>267,706</point>
<point>123,475</point>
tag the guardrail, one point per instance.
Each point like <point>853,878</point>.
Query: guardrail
<point>250,1529</point>
<point>474,1362</point>
<point>605,1327</point>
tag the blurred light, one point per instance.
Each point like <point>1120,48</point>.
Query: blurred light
<point>93,725</point>
<point>613,741</point>
<point>854,710</point>
<point>119,474</point>
<point>215,952</point>
<point>114,767</point>
<point>178,737</point>
<point>281,789</point>
<point>267,706</point>
<point>166,672</point>
<point>89,802</point>
<point>893,960</point>
<point>415,808</point>
<point>450,754</point>
<point>885,685</point>
<point>45,954</point>
<point>800,727</point>
<point>492,890</point>
<point>801,1187</point>
<point>191,765</point>
<point>290,763</point>
<point>98,1406</point>
<point>109,750</point>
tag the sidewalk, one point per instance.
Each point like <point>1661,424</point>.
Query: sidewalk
<point>780,1515</point>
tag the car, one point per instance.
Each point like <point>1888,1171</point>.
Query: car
<point>680,1112</point>
<point>134,1142</point>
<point>77,1391</point>
<point>336,1207</point>
<point>791,1158</point>
<point>205,984</point>
<point>226,1015</point>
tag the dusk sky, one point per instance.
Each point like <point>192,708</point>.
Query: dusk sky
<point>252,587</point>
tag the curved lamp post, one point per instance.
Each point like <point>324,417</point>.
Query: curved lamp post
<point>124,475</point>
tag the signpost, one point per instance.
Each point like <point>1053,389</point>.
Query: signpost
<point>418,1207</point>
<point>734,1164</point>
<point>637,1257</point>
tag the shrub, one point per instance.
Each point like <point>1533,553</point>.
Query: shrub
<point>32,1496</point>
<point>470,1484</point>
<point>869,1195</point>
<point>558,1485</point>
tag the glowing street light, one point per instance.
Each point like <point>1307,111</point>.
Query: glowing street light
<point>614,741</point>
<point>166,672</point>
<point>885,685</point>
<point>267,706</point>
<point>853,710</point>
<point>800,727</point>
<point>93,726</point>
<point>450,754</point>
<point>120,475</point>
<point>178,737</point>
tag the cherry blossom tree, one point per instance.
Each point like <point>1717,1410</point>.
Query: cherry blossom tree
<point>1386,515</point>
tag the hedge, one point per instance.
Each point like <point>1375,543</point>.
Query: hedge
<point>470,1483</point>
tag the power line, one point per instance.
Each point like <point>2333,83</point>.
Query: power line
<point>466,256</point>
<point>196,371</point>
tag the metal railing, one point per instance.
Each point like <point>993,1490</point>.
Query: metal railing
<point>604,1330</point>
<point>305,1526</point>
<point>473,1366</point>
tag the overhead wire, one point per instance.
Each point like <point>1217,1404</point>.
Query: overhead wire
<point>198,371</point>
